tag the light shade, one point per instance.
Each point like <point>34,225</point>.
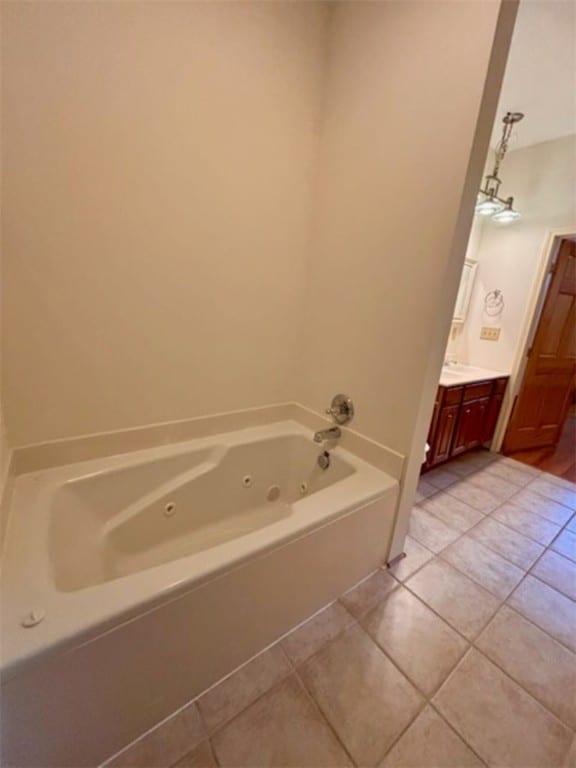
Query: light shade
<point>489,206</point>
<point>506,216</point>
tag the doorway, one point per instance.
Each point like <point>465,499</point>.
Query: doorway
<point>541,430</point>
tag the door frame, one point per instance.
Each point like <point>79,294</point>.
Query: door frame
<point>540,284</point>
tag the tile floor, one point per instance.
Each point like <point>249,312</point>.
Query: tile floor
<point>463,654</point>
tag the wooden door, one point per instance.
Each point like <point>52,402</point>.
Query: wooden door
<point>542,404</point>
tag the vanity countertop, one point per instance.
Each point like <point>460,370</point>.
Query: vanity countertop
<point>458,373</point>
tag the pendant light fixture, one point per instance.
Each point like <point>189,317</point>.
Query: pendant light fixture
<point>489,202</point>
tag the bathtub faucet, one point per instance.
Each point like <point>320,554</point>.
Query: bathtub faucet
<point>333,433</point>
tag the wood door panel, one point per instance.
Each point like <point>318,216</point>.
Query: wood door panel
<point>568,279</point>
<point>554,334</point>
<point>542,403</point>
<point>444,433</point>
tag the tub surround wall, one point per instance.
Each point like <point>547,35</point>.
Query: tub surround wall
<point>33,458</point>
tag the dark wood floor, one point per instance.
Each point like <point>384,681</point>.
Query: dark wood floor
<point>560,460</point>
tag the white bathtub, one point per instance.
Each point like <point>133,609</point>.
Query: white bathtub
<point>158,572</point>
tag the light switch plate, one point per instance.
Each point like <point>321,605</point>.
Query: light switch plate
<point>489,333</point>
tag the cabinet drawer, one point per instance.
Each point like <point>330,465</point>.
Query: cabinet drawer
<point>452,395</point>
<point>475,391</point>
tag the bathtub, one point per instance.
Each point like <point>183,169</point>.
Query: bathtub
<point>132,583</point>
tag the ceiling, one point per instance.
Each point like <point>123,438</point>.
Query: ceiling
<point>540,77</point>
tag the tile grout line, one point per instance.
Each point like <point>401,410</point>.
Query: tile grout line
<point>452,728</point>
<point>503,601</point>
<point>323,717</point>
<point>517,682</point>
<point>473,647</point>
<point>485,516</point>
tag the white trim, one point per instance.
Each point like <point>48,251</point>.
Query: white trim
<point>551,243</point>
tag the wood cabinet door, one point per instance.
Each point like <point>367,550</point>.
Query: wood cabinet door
<point>471,425</point>
<point>464,429</point>
<point>478,423</point>
<point>492,417</point>
<point>444,432</point>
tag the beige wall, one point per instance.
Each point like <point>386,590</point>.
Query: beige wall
<point>401,115</point>
<point>159,164</point>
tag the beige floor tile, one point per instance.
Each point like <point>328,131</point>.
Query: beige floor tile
<point>456,598</point>
<point>424,489</point>
<point>282,728</point>
<point>480,458</point>
<point>516,548</point>
<point>430,743</point>
<point>365,698</point>
<point>442,477</point>
<point>476,497</point>
<point>165,744</point>
<point>424,647</point>
<point>557,571</point>
<point>430,531</point>
<point>514,473</point>
<point>235,693</point>
<point>365,595</point>
<point>527,523</point>
<point>549,609</point>
<point>316,632</point>
<point>201,757</point>
<point>503,724</point>
<point>484,566</point>
<point>538,663</point>
<point>493,484</point>
<point>534,471</point>
<point>561,481</point>
<point>565,544</point>
<point>540,505</point>
<point>461,468</point>
<point>453,512</point>
<point>551,490</point>
<point>416,556</point>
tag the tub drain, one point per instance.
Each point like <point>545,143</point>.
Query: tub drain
<point>247,481</point>
<point>303,488</point>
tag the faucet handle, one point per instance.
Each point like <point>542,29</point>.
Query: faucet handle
<point>341,409</point>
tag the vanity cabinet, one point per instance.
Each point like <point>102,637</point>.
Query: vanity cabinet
<point>464,417</point>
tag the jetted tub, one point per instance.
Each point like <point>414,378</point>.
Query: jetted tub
<point>149,576</point>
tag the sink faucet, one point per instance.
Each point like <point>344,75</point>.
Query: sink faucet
<point>332,433</point>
